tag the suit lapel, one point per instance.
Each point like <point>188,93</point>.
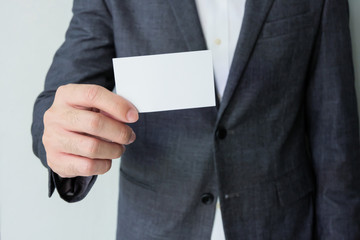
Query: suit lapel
<point>187,19</point>
<point>254,17</point>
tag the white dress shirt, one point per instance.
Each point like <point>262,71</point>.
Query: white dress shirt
<point>221,22</point>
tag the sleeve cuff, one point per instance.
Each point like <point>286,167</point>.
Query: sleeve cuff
<point>70,189</point>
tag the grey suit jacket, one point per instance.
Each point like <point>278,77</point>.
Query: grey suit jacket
<point>281,151</point>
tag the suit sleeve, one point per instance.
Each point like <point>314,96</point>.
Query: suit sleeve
<point>334,127</point>
<point>85,58</point>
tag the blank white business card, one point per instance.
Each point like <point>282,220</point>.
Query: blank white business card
<point>166,81</point>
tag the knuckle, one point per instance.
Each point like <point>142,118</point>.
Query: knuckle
<point>60,90</point>
<point>47,116</point>
<point>45,139</point>
<point>87,168</point>
<point>96,122</point>
<point>92,93</point>
<point>69,145</point>
<point>72,117</point>
<point>125,135</point>
<point>48,140</point>
<point>71,168</point>
<point>50,163</point>
<point>93,147</point>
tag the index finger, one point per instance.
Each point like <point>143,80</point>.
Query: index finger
<point>94,96</point>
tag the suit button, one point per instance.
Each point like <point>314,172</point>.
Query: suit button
<point>207,198</point>
<point>221,133</point>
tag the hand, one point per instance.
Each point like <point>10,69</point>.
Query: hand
<point>85,128</point>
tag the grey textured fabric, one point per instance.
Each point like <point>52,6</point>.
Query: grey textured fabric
<point>281,151</point>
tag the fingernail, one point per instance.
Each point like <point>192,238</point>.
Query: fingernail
<point>133,137</point>
<point>132,115</point>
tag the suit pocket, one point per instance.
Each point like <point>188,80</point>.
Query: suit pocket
<point>283,9</point>
<point>294,186</point>
<point>283,27</point>
<point>134,181</point>
<point>254,201</point>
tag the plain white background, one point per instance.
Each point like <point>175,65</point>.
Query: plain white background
<point>31,31</point>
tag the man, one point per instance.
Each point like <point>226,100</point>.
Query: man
<point>280,151</point>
